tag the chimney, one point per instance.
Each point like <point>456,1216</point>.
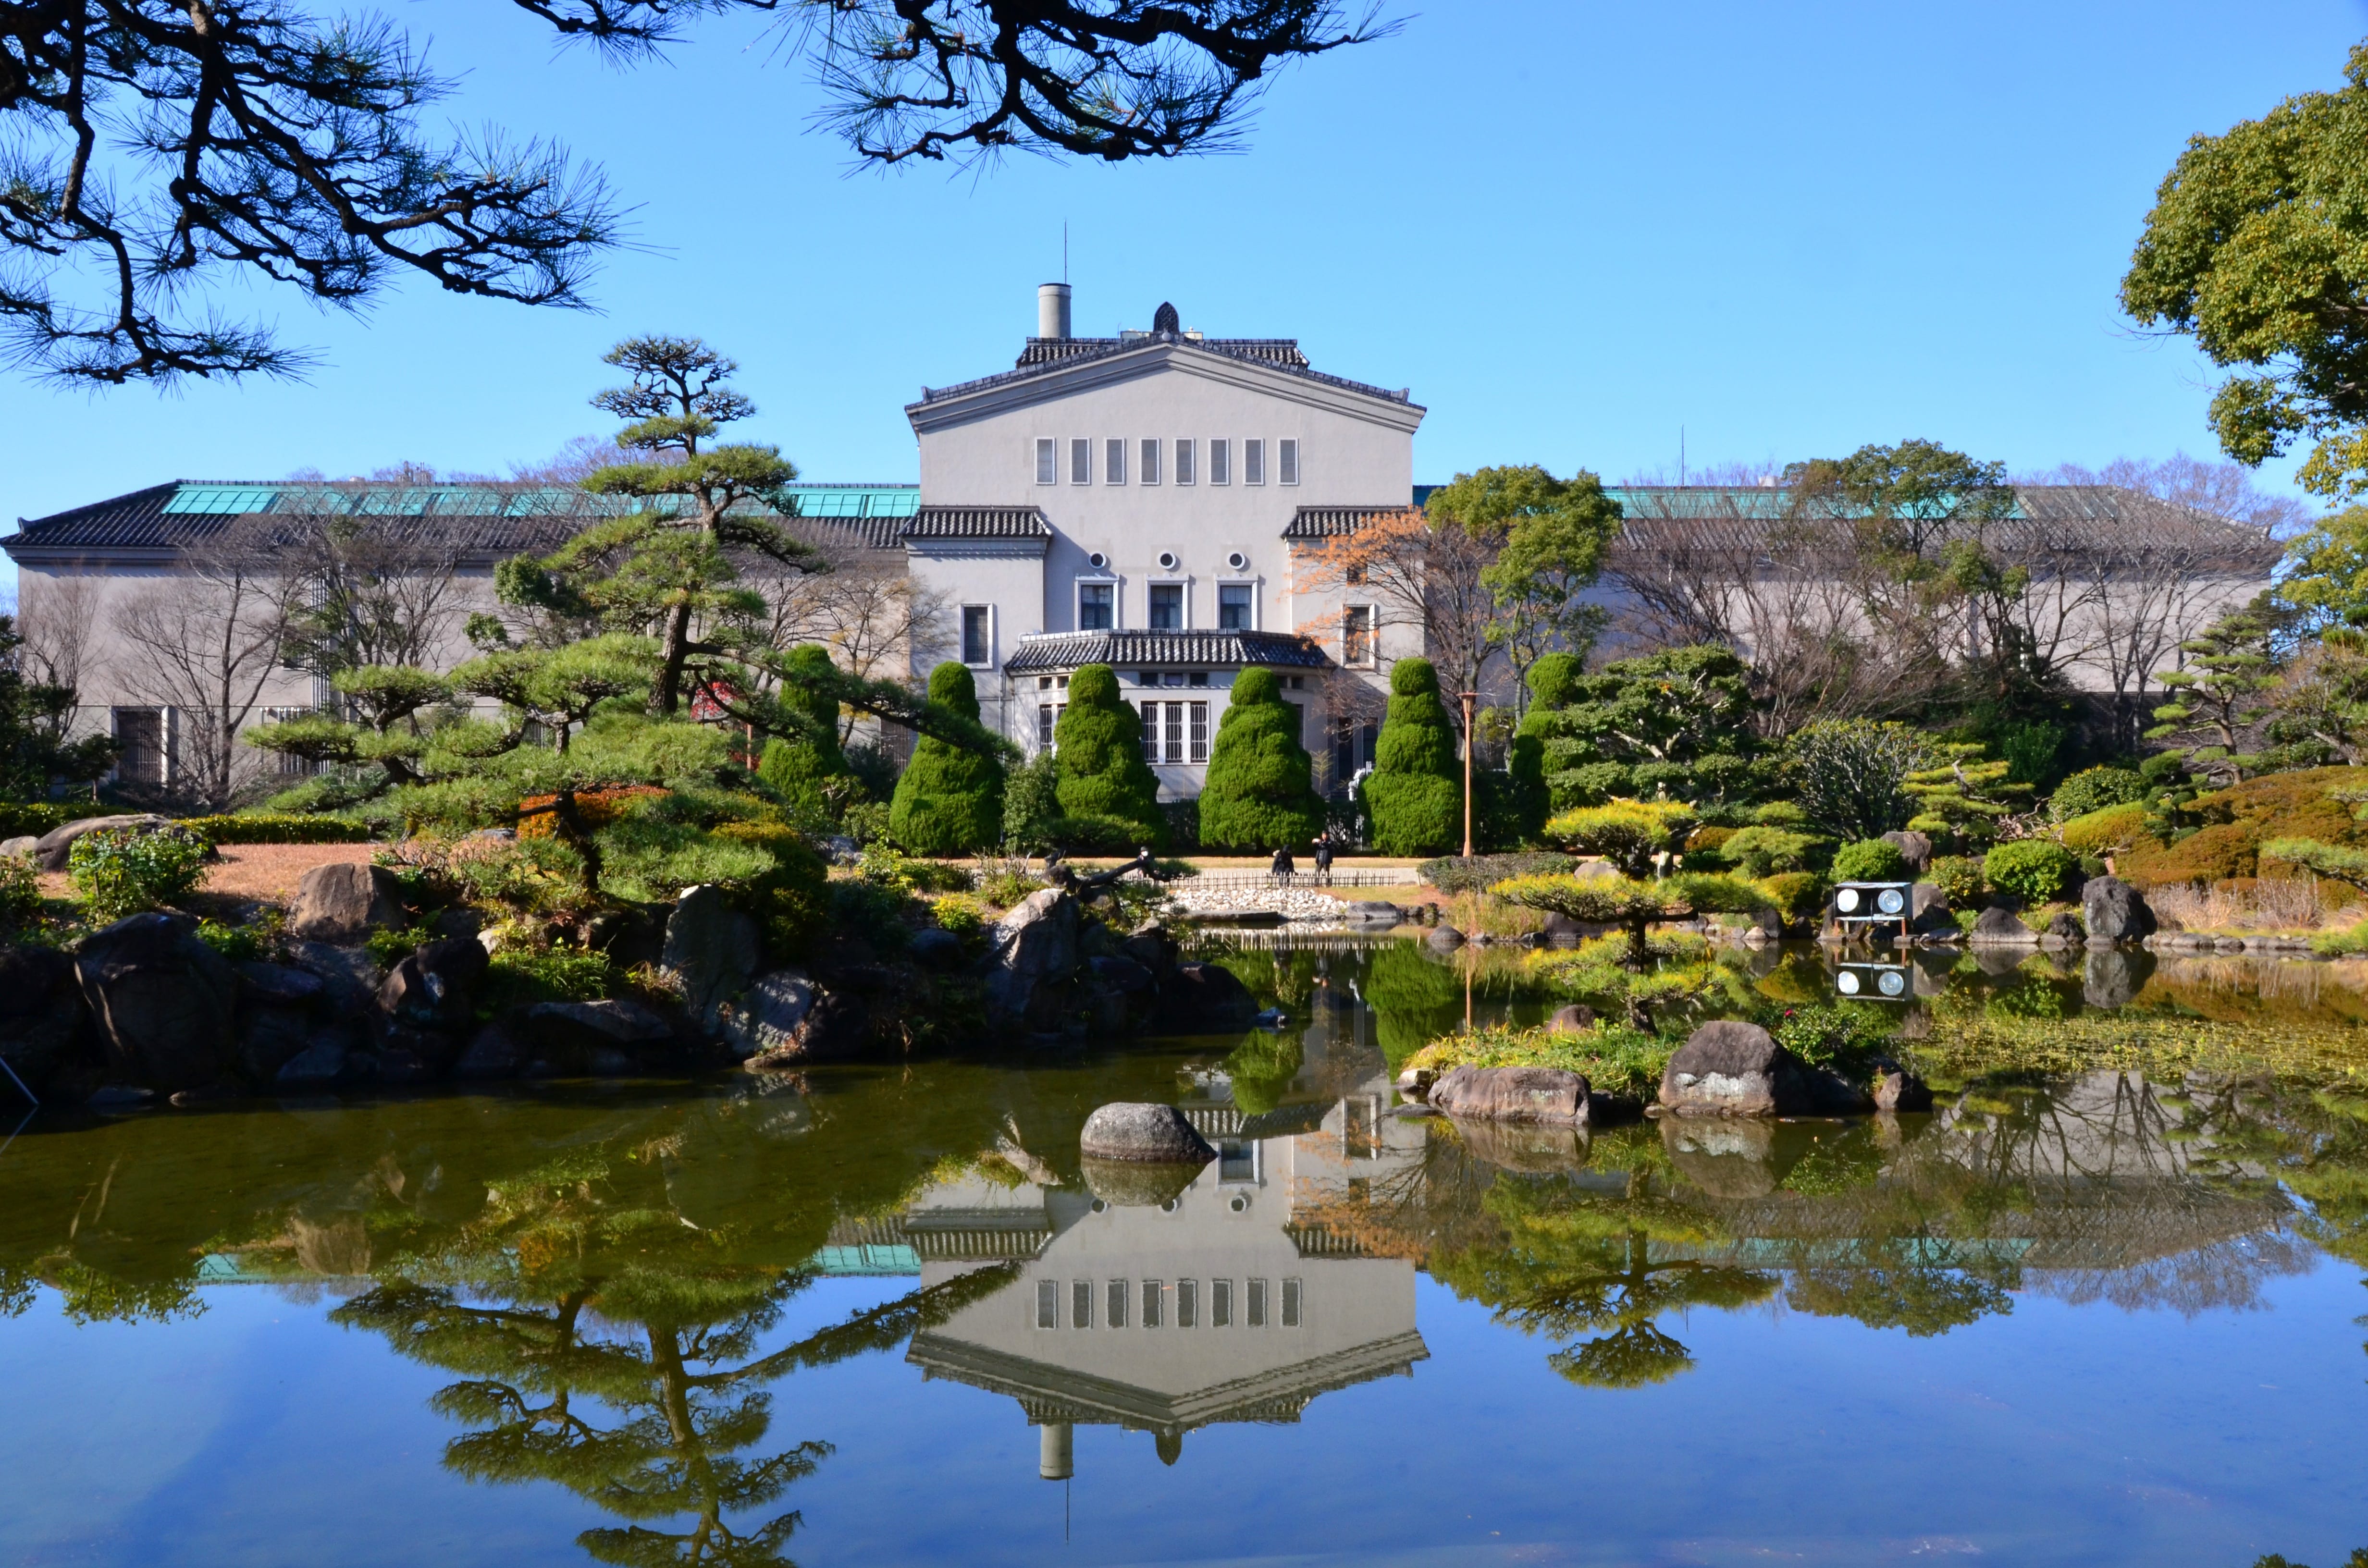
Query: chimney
<point>1053,310</point>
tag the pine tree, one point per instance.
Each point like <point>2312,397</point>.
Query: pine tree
<point>1100,742</point>
<point>949,800</point>
<point>1260,792</point>
<point>1415,794</point>
<point>2221,693</point>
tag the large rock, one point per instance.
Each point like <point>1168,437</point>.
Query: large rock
<point>1928,909</point>
<point>1561,928</point>
<point>1205,998</point>
<point>343,902</point>
<point>434,987</point>
<point>1997,926</point>
<point>1914,847</point>
<point>269,1037</point>
<point>938,950</point>
<point>1896,1089</point>
<point>2115,911</point>
<point>711,954</point>
<point>772,1017</point>
<point>492,1053</point>
<point>1734,1069</point>
<point>1512,1094</point>
<point>571,1035</point>
<point>279,986</point>
<point>1034,945</point>
<point>327,1059</point>
<point>1137,1184</point>
<point>163,1002</point>
<point>1142,1131</point>
<point>2112,978</point>
<point>52,849</point>
<point>1573,1017</point>
<point>44,1023</point>
<point>1443,939</point>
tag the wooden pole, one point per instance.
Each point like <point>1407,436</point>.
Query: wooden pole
<point>1468,698</point>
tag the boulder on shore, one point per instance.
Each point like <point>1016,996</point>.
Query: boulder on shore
<point>163,1002</point>
<point>1144,1132</point>
<point>1512,1094</point>
<point>1575,1017</point>
<point>2115,911</point>
<point>772,1017</point>
<point>1206,998</point>
<point>435,987</point>
<point>1443,939</point>
<point>1997,926</point>
<point>44,1025</point>
<point>343,902</point>
<point>54,849</point>
<point>1735,1069</point>
<point>1034,945</point>
<point>1914,847</point>
<point>711,954</point>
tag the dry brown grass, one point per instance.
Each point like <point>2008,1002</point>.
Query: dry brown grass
<point>2273,904</point>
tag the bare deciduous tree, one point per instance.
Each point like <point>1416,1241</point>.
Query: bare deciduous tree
<point>862,606</point>
<point>1413,571</point>
<point>58,618</point>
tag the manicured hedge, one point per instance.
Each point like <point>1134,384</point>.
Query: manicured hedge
<point>19,818</point>
<point>1099,741</point>
<point>1415,794</point>
<point>261,828</point>
<point>1452,873</point>
<point>1259,795</point>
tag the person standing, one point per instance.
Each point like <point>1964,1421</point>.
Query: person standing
<point>1282,870</point>
<point>1324,859</point>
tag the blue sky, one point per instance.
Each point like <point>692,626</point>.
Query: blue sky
<point>1571,228</point>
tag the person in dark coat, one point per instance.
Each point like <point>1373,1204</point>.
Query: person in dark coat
<point>1323,860</point>
<point>1282,870</point>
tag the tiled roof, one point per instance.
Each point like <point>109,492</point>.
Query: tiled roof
<point>1331,522</point>
<point>1043,356</point>
<point>1067,649</point>
<point>490,519</point>
<point>977,522</point>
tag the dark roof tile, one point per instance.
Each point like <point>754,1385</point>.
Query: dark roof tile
<point>977,522</point>
<point>1067,649</point>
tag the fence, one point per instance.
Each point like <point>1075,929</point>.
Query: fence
<point>1339,877</point>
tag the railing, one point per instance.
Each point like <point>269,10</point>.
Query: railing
<point>1338,877</point>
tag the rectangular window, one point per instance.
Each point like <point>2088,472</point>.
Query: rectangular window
<point>1221,1303</point>
<point>1048,460</point>
<point>1357,635</point>
<point>1152,1300</point>
<point>1081,461</point>
<point>1096,604</point>
<point>285,763</point>
<point>1175,731</point>
<point>1048,718</point>
<point>1291,1304</point>
<point>1232,606</point>
<point>1081,1303</point>
<point>1286,462</point>
<point>1187,1303</point>
<point>1151,732</point>
<point>974,634</point>
<point>1118,1298</point>
<point>1151,462</point>
<point>140,732</point>
<point>1254,1308</point>
<point>1184,462</point>
<point>1299,722</point>
<point>1114,462</point>
<point>1236,1160</point>
<point>1221,462</point>
<point>1199,733</point>
<point>1048,1303</point>
<point>1168,607</point>
<point>1253,463</point>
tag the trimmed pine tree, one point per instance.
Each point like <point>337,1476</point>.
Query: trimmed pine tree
<point>799,767</point>
<point>1415,794</point>
<point>949,800</point>
<point>1100,747</point>
<point>1260,793</point>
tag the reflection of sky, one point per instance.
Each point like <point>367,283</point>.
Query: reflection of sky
<point>259,1434</point>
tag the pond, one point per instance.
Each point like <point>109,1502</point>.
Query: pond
<point>876,1316</point>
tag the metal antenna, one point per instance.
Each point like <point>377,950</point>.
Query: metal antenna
<point>1681,450</point>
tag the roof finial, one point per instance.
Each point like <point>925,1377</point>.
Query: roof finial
<point>1165,319</point>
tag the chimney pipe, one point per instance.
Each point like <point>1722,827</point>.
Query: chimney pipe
<point>1053,310</point>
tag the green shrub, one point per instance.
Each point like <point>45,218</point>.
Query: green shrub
<point>390,945</point>
<point>2032,869</point>
<point>960,912</point>
<point>1454,874</point>
<point>1797,895</point>
<point>949,800</point>
<point>1094,835</point>
<point>871,912</point>
<point>1260,792</point>
<point>1764,850</point>
<point>1552,680</point>
<point>122,871</point>
<point>19,819</point>
<point>866,822</point>
<point>883,864</point>
<point>1031,804</point>
<point>240,944</point>
<point>20,893</point>
<point>1415,795</point>
<point>1183,818</point>
<point>1869,860</point>
<point>1850,775</point>
<point>272,827</point>
<point>2093,789</point>
<point>1959,878</point>
<point>1008,884</point>
<point>521,976</point>
<point>1099,746</point>
<point>808,771</point>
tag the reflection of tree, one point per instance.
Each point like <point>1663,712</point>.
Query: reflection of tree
<point>638,1393</point>
<point>1920,1283</point>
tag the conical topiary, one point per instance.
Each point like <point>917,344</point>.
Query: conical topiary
<point>1099,743</point>
<point>949,800</point>
<point>1549,682</point>
<point>799,766</point>
<point>1415,794</point>
<point>1260,792</point>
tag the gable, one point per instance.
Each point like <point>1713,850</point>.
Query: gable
<point>1132,365</point>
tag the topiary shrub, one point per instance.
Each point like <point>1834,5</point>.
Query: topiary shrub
<point>1869,860</point>
<point>2107,831</point>
<point>1552,681</point>
<point>949,800</point>
<point>122,871</point>
<point>2093,789</point>
<point>1099,746</point>
<point>1260,792</point>
<point>1632,834</point>
<point>1959,878</point>
<point>802,768</point>
<point>2032,869</point>
<point>1763,851</point>
<point>1796,896</point>
<point>1415,794</point>
<point>1452,873</point>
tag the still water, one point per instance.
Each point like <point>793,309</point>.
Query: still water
<point>877,1315</point>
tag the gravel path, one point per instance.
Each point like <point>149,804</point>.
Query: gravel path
<point>1292,904</point>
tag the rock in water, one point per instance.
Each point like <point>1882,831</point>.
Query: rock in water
<point>1137,1184</point>
<point>163,1002</point>
<point>1443,939</point>
<point>344,902</point>
<point>2112,978</point>
<point>771,1015</point>
<point>1512,1094</point>
<point>1996,926</point>
<point>434,987</point>
<point>55,847</point>
<point>44,1023</point>
<point>2115,911</point>
<point>1034,944</point>
<point>1734,1069</point>
<point>1145,1133</point>
<point>1898,1089</point>
<point>711,953</point>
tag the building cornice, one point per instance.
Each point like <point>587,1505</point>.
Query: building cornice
<point>959,406</point>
